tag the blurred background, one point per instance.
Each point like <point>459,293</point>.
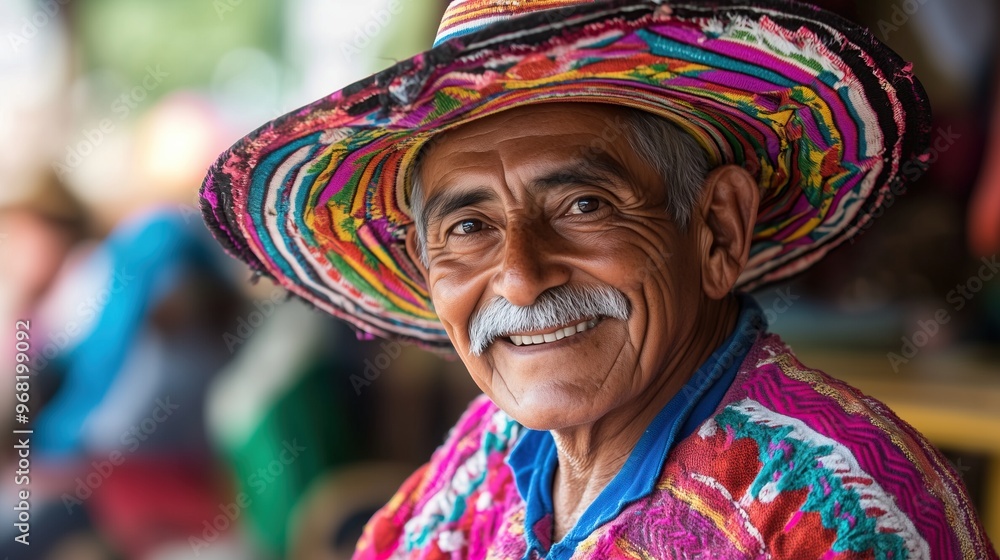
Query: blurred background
<point>183,409</point>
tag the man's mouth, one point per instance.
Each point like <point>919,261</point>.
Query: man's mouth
<point>552,336</point>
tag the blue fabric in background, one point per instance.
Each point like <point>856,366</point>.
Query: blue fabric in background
<point>148,256</point>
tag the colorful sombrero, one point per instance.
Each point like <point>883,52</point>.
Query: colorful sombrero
<point>814,106</point>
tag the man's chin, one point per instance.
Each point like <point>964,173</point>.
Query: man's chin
<point>549,410</point>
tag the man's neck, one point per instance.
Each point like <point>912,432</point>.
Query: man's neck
<point>590,456</point>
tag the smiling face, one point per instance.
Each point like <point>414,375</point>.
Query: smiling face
<point>521,207</point>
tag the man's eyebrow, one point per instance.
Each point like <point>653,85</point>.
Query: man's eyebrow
<point>580,172</point>
<point>446,202</point>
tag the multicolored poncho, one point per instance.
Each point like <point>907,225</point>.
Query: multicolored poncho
<point>792,464</point>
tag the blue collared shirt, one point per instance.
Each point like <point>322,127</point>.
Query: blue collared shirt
<point>533,458</point>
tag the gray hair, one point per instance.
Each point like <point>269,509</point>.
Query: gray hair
<point>675,155</point>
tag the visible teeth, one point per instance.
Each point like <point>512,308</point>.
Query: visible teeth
<point>528,340</point>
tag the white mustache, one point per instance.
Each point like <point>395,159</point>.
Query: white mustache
<point>555,307</point>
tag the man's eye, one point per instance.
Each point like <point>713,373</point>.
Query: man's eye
<point>585,205</point>
<point>466,227</point>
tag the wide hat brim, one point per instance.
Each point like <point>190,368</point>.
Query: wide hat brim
<point>825,116</point>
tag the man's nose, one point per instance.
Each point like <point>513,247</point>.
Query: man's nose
<point>530,264</point>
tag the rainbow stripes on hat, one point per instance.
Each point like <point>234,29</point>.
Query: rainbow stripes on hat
<point>814,106</point>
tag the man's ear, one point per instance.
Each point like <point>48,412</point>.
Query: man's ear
<point>728,209</point>
<point>413,250</point>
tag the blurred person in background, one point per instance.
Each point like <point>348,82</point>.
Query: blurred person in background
<point>423,204</point>
<point>41,230</point>
<point>134,148</point>
<point>44,243</point>
<point>128,407</point>
<point>131,339</point>
<point>44,237</point>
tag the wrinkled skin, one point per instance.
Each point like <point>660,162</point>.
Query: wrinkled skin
<point>533,205</point>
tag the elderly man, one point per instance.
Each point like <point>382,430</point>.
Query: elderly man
<point>571,196</point>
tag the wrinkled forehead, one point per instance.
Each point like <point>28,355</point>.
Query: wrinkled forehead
<point>549,119</point>
<point>549,134</point>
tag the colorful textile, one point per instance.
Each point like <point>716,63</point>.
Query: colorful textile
<point>814,106</point>
<point>144,258</point>
<point>792,464</point>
